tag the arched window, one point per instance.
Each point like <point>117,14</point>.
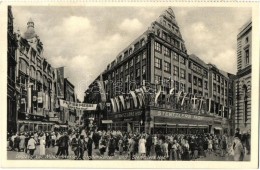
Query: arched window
<point>24,66</point>
<point>33,72</point>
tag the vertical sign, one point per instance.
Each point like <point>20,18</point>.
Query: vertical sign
<point>60,82</point>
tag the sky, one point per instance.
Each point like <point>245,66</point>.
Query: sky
<point>86,39</point>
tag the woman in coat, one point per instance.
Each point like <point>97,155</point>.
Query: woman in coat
<point>31,146</point>
<point>238,149</point>
<point>141,147</point>
<point>22,142</point>
<point>42,144</point>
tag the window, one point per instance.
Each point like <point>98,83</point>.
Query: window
<point>138,59</point>
<point>158,47</point>
<point>131,63</point>
<point>247,56</point>
<point>157,79</point>
<point>137,45</point>
<point>158,63</point>
<point>164,35</point>
<point>167,67</point>
<point>206,95</point>
<point>218,89</point>
<point>166,82</point>
<point>144,55</point>
<point>131,76</point>
<point>142,42</point>
<point>246,39</point>
<point>126,65</point>
<point>214,87</point>
<point>189,78</point>
<point>195,80</point>
<point>218,79</point>
<point>175,71</point>
<point>214,76</point>
<point>39,63</point>
<point>137,72</point>
<point>175,56</point>
<point>182,60</point>
<point>143,69</point>
<point>166,51</point>
<point>122,69</point>
<point>205,73</point>
<point>183,73</point>
<point>222,91</point>
<point>199,82</point>
<point>130,51</point>
<point>205,85</point>
<point>225,83</point>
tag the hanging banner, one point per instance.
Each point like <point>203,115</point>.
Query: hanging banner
<point>121,97</point>
<point>157,95</point>
<point>134,97</point>
<point>81,106</point>
<point>117,103</point>
<point>102,91</point>
<point>60,82</point>
<point>113,105</point>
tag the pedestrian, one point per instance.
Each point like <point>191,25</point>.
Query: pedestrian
<point>16,142</point>
<point>131,148</point>
<point>238,149</point>
<point>81,147</point>
<point>102,145</point>
<point>120,146</point>
<point>27,137</point>
<point>148,144</point>
<point>111,146</point>
<point>142,149</point>
<point>22,142</point>
<point>13,141</point>
<point>42,144</point>
<point>31,146</point>
<point>90,147</point>
<point>75,145</point>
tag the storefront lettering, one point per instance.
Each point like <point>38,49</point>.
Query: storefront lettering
<point>178,115</point>
<point>128,114</point>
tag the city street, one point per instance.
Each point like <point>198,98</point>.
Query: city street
<point>50,155</point>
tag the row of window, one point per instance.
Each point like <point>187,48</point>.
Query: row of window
<point>216,88</point>
<point>219,79</point>
<point>167,67</point>
<point>198,69</point>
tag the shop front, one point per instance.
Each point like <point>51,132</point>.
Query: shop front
<point>170,122</point>
<point>129,121</point>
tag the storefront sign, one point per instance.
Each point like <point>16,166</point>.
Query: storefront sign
<point>178,115</point>
<point>60,80</point>
<point>128,114</point>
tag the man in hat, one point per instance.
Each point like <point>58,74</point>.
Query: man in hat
<point>31,146</point>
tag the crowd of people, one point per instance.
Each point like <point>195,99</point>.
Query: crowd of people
<point>134,145</point>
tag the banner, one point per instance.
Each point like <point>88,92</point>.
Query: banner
<point>60,82</point>
<point>102,90</point>
<point>121,97</point>
<point>117,103</point>
<point>81,106</point>
<point>158,94</point>
<point>113,105</point>
<point>134,97</point>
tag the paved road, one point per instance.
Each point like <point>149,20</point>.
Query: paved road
<point>50,155</point>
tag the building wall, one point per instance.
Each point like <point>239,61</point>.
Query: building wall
<point>11,66</point>
<point>243,79</point>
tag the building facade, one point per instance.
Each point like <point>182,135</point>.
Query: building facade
<point>153,85</point>
<point>35,81</point>
<point>11,76</point>
<point>243,78</point>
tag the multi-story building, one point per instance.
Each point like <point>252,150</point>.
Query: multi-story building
<point>35,80</point>
<point>243,78</point>
<point>153,85</point>
<point>11,66</point>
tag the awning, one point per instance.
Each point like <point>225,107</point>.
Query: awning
<point>203,125</point>
<point>171,124</point>
<point>107,121</point>
<point>218,128</point>
<point>56,126</point>
<point>159,123</point>
<point>182,124</point>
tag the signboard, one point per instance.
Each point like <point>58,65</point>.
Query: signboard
<point>128,114</point>
<point>179,115</point>
<point>60,82</point>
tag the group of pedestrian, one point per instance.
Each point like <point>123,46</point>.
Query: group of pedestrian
<point>135,145</point>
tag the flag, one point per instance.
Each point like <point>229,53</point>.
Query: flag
<point>113,105</point>
<point>117,103</point>
<point>121,97</point>
<point>134,98</point>
<point>60,82</point>
<point>158,94</point>
<point>102,90</point>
